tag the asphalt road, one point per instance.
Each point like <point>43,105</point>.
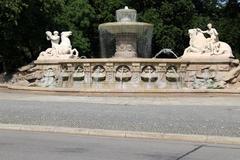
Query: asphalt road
<point>182,115</point>
<point>45,146</point>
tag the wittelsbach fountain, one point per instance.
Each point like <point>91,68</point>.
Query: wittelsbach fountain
<point>126,64</point>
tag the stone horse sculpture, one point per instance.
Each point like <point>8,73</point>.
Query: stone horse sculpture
<point>202,47</point>
<point>59,51</point>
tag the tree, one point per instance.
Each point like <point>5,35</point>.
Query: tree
<point>23,23</point>
<point>170,19</point>
<point>9,15</point>
<point>228,25</point>
<point>78,16</point>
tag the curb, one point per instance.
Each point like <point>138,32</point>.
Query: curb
<point>3,86</point>
<point>111,91</point>
<point>124,134</point>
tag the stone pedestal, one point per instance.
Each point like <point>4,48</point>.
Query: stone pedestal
<point>126,45</point>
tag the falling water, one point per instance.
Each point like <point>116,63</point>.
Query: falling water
<point>177,79</point>
<point>125,27</point>
<point>206,78</point>
<point>121,78</point>
<point>96,78</point>
<point>165,51</point>
<point>149,79</point>
<point>161,83</point>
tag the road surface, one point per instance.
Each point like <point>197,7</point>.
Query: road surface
<point>45,146</point>
<point>217,116</point>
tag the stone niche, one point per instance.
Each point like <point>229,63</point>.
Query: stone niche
<point>139,74</point>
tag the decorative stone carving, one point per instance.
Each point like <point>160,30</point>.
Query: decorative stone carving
<point>123,73</point>
<point>126,45</point>
<point>48,80</point>
<point>166,74</point>
<point>149,74</point>
<point>206,79</point>
<point>65,73</point>
<point>172,75</point>
<point>59,51</point>
<point>202,47</point>
<point>183,68</point>
<point>136,72</point>
<point>136,67</point>
<point>78,74</point>
<point>206,73</point>
<point>232,76</point>
<point>162,67</point>
<point>99,73</point>
<point>87,71</point>
<point>109,72</point>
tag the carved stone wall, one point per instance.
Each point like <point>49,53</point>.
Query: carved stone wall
<point>140,73</point>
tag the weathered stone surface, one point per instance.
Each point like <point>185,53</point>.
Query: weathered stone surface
<point>135,73</point>
<point>59,51</point>
<point>202,47</point>
<point>33,76</point>
<point>232,75</point>
<point>48,79</point>
<point>22,83</point>
<point>27,67</point>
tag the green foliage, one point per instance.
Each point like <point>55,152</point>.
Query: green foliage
<point>153,16</point>
<point>23,23</point>
<point>77,16</point>
<point>105,9</point>
<point>170,21</point>
<point>228,25</point>
<point>10,11</point>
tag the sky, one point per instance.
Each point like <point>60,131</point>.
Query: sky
<point>224,2</point>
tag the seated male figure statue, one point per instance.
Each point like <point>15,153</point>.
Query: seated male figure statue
<point>213,40</point>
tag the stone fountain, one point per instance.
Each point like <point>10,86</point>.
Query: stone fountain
<point>207,65</point>
<point>126,38</point>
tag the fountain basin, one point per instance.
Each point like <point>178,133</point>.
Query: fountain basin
<point>126,38</point>
<point>126,27</point>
